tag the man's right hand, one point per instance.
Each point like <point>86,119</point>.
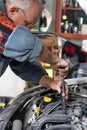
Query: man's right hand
<point>54,84</point>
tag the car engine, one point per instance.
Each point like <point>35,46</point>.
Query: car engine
<point>41,108</point>
<point>46,112</point>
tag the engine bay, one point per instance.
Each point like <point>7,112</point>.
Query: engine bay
<point>46,112</point>
<point>42,109</point>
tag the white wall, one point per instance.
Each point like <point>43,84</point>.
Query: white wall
<point>10,84</point>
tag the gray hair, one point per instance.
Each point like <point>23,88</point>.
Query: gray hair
<point>23,4</point>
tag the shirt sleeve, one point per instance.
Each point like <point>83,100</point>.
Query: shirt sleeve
<point>22,45</point>
<point>31,72</point>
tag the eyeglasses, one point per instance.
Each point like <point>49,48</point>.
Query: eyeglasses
<point>32,18</point>
<point>26,21</point>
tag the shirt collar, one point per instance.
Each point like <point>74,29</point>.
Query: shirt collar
<point>2,6</point>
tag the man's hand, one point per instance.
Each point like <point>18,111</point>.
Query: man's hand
<point>61,67</point>
<point>54,84</point>
<point>57,85</point>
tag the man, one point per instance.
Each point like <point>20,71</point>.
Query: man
<point>23,50</point>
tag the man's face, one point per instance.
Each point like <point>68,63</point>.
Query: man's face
<point>26,18</point>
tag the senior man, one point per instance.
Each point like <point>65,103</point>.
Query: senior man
<point>21,49</point>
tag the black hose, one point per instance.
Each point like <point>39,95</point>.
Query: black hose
<point>49,110</point>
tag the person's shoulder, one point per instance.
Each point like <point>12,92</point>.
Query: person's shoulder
<point>3,7</point>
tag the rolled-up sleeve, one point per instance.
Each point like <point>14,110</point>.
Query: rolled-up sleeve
<point>22,45</point>
<point>29,71</point>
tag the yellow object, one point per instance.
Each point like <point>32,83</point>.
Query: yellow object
<point>47,99</point>
<point>2,104</point>
<point>50,72</point>
<point>38,111</point>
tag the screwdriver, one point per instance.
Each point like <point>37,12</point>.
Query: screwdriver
<point>63,97</point>
<point>63,83</point>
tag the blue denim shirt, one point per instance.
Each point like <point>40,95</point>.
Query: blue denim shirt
<point>20,53</point>
<point>22,45</point>
<point>28,71</point>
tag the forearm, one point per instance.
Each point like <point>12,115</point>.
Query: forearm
<point>48,57</point>
<point>46,81</point>
<point>31,72</point>
<point>51,83</point>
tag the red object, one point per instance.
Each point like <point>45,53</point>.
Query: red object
<point>70,50</point>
